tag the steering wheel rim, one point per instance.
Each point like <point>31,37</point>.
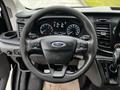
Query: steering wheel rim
<point>92,44</point>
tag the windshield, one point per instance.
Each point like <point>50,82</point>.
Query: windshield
<point>34,4</point>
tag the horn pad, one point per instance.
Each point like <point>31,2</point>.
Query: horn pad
<point>58,50</point>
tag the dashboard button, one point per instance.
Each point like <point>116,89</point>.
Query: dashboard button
<point>85,37</point>
<point>9,52</point>
<point>36,44</point>
<point>17,52</point>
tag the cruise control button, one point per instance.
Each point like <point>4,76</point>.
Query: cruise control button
<point>81,48</point>
<point>35,45</point>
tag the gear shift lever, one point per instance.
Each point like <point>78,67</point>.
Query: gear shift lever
<point>116,57</point>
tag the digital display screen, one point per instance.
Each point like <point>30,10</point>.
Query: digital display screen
<point>59,24</point>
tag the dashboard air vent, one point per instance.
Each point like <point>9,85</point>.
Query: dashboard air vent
<point>20,20</point>
<point>21,23</point>
<point>20,28</point>
<point>104,35</point>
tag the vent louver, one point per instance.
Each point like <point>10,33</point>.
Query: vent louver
<point>21,23</point>
<point>20,28</point>
<point>104,35</point>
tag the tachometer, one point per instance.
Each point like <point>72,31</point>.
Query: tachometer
<point>73,30</point>
<point>46,29</point>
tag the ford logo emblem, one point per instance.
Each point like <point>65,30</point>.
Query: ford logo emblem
<point>58,44</point>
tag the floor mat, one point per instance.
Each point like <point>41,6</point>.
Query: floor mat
<point>74,85</point>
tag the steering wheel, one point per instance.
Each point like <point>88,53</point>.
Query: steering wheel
<point>59,50</point>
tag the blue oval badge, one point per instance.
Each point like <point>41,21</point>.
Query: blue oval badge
<point>58,44</point>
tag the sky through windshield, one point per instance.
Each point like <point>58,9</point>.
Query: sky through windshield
<point>44,3</point>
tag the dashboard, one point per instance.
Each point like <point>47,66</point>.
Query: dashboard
<point>105,21</point>
<point>106,26</point>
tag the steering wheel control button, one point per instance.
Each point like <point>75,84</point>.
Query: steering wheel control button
<point>17,52</point>
<point>81,48</point>
<point>34,45</point>
<point>85,37</point>
<point>58,44</point>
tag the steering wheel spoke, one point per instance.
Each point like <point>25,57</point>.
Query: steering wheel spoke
<point>33,46</point>
<point>82,47</point>
<point>60,73</point>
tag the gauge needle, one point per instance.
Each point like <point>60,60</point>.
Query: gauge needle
<point>70,32</point>
<point>43,31</point>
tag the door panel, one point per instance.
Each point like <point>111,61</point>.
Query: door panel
<point>4,70</point>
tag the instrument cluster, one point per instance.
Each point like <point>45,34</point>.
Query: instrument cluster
<point>59,25</point>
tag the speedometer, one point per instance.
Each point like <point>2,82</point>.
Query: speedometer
<point>73,30</point>
<point>46,29</point>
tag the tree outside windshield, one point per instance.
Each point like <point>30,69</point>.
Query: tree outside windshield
<point>102,2</point>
